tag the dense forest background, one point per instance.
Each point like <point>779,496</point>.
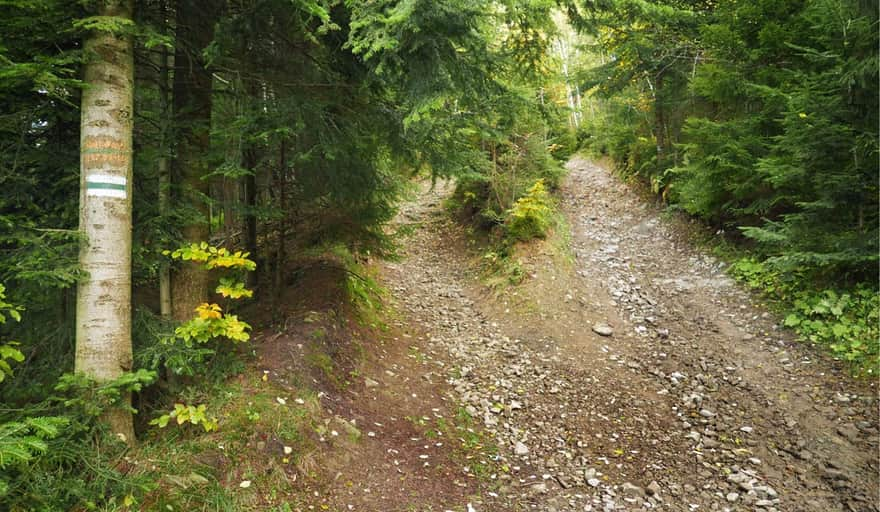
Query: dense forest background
<point>290,129</point>
<point>761,119</point>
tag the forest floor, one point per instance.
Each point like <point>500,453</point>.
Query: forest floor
<point>692,398</point>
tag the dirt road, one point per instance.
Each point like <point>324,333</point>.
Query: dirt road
<point>635,375</point>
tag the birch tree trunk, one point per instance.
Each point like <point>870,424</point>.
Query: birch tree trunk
<point>103,307</point>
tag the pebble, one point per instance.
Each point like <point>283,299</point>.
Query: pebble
<point>603,329</point>
<point>632,490</point>
<point>520,448</point>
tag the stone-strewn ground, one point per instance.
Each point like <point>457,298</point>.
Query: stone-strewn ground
<point>696,401</point>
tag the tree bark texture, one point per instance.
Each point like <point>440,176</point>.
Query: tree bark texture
<point>163,164</point>
<point>103,308</point>
<point>192,111</point>
<point>281,248</point>
<point>660,118</point>
<point>250,196</point>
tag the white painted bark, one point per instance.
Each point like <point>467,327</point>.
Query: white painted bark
<point>103,309</point>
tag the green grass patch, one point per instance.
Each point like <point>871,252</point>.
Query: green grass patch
<point>476,449</point>
<point>263,445</point>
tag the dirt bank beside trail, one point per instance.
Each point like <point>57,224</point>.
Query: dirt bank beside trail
<point>697,400</point>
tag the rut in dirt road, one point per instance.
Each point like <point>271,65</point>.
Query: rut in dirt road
<point>697,401</point>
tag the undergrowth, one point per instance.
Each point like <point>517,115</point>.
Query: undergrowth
<point>263,441</point>
<point>216,433</point>
<point>533,216</point>
<point>844,320</point>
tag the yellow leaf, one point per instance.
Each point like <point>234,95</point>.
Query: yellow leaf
<point>208,311</point>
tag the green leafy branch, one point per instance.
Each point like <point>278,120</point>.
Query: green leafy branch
<point>195,415</point>
<point>212,323</point>
<point>233,289</point>
<point>21,441</point>
<point>213,257</point>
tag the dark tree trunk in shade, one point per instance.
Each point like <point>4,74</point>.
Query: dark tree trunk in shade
<point>192,115</point>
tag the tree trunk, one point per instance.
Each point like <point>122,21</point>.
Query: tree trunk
<point>163,166</point>
<point>250,197</point>
<point>103,307</point>
<point>164,269</point>
<point>660,119</point>
<point>281,248</point>
<point>192,112</point>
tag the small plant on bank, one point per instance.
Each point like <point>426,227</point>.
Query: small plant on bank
<point>193,414</point>
<point>531,215</point>
<point>212,257</point>
<point>177,351</point>
<point>845,321</point>
<point>210,323</point>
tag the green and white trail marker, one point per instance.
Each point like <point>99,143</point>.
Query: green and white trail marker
<point>105,185</point>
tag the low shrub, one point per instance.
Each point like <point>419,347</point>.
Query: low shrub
<point>531,215</point>
<point>844,320</point>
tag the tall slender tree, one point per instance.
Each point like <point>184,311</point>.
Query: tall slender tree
<point>192,92</point>
<point>163,162</point>
<point>103,313</point>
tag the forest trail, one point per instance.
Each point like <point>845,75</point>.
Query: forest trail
<point>696,401</point>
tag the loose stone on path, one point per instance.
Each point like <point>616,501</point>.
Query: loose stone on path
<point>603,329</point>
